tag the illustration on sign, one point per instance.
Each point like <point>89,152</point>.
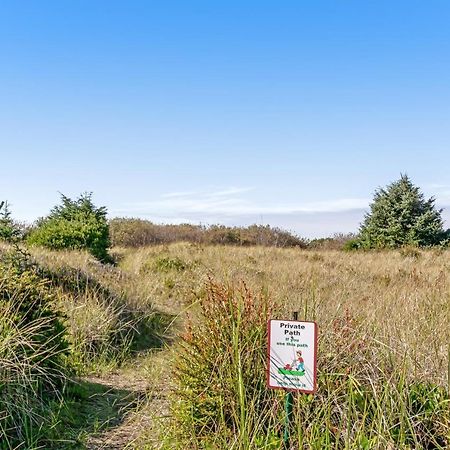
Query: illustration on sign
<point>292,355</point>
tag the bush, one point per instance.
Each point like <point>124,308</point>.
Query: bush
<point>166,264</point>
<point>339,241</point>
<point>33,351</point>
<point>138,233</point>
<point>75,224</point>
<point>352,244</point>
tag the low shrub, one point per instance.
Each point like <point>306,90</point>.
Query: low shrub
<point>166,264</point>
<point>75,225</point>
<point>339,241</point>
<point>352,244</point>
<point>137,233</point>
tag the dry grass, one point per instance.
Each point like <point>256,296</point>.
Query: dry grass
<point>399,301</point>
<point>383,322</point>
<point>383,327</point>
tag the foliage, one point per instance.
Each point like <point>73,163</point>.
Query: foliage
<point>166,264</point>
<point>380,387</point>
<point>138,233</point>
<point>33,350</point>
<point>75,224</point>
<point>352,244</point>
<point>400,215</point>
<point>220,369</point>
<point>9,229</point>
<point>338,241</point>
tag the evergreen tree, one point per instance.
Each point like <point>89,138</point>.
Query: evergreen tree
<point>400,215</point>
<point>9,230</point>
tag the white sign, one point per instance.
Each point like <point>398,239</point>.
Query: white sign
<point>292,355</point>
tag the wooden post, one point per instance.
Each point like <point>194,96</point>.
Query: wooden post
<point>289,409</point>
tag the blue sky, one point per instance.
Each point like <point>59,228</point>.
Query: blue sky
<point>287,113</point>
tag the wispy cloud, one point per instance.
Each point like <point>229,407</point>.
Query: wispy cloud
<point>236,206</point>
<point>231,202</point>
<point>179,194</point>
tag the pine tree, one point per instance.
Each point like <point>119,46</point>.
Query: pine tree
<point>9,231</point>
<point>400,215</point>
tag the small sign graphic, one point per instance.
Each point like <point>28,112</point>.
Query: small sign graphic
<point>292,355</point>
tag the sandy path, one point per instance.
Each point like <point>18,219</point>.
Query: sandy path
<point>142,406</point>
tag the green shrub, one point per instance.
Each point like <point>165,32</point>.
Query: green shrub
<point>338,241</point>
<point>75,224</point>
<point>352,244</point>
<point>166,264</point>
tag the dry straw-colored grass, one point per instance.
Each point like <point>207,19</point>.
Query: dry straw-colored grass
<point>383,322</point>
<point>395,299</point>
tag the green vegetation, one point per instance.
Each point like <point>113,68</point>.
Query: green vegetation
<point>75,224</point>
<point>63,315</point>
<point>220,371</point>
<point>67,319</point>
<point>139,233</point>
<point>33,351</point>
<point>399,216</point>
<point>379,385</point>
<point>9,229</point>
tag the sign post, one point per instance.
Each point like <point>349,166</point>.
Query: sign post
<point>292,362</point>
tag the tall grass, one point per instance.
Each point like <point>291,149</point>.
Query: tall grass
<point>62,315</point>
<point>107,317</point>
<point>33,354</point>
<point>220,370</point>
<point>383,347</point>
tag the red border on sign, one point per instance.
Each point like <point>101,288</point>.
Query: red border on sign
<point>315,358</point>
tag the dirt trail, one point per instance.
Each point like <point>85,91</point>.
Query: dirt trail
<point>139,393</point>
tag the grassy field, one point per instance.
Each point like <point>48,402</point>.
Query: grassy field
<point>383,348</point>
<point>189,323</point>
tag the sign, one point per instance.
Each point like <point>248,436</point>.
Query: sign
<point>292,355</point>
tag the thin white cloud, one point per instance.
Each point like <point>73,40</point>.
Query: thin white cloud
<point>230,191</point>
<point>179,194</point>
<point>231,206</point>
<point>230,202</point>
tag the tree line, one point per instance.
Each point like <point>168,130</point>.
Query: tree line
<point>399,216</point>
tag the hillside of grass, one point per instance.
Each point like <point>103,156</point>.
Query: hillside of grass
<point>166,348</point>
<point>65,316</point>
